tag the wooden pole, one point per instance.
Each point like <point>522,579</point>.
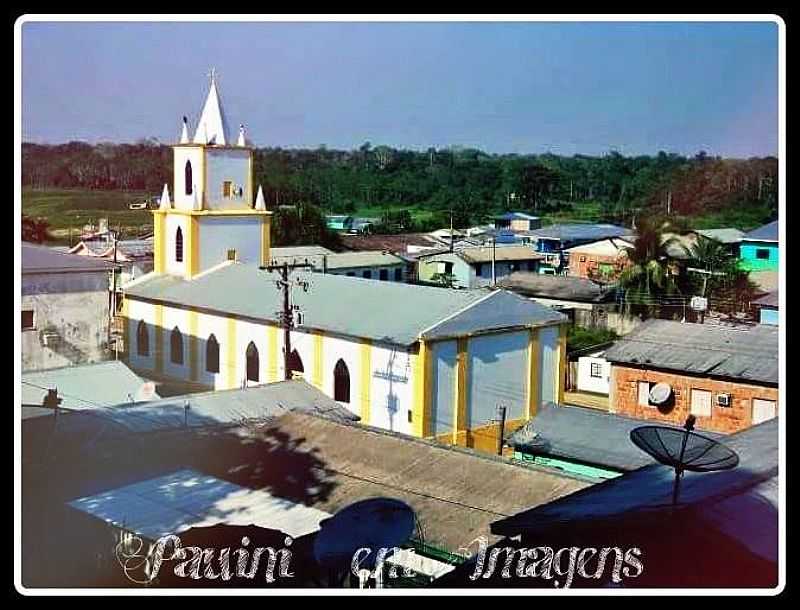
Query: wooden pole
<point>501,430</point>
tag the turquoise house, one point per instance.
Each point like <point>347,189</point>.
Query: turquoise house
<point>758,250</point>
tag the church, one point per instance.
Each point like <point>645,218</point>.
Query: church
<point>424,361</point>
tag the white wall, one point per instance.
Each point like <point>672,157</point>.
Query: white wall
<point>391,390</point>
<point>548,342</point>
<point>443,354</point>
<point>172,222</point>
<point>180,199</point>
<point>587,383</point>
<point>227,164</point>
<point>140,311</point>
<point>206,325</point>
<point>219,234</point>
<point>172,318</point>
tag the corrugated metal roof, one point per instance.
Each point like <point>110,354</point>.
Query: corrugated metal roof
<point>386,312</point>
<point>768,232</point>
<point>298,251</point>
<point>41,259</point>
<point>580,232</point>
<point>749,354</point>
<point>85,386</point>
<point>552,286</point>
<point>726,236</point>
<point>362,258</point>
<point>483,254</point>
<point>768,300</point>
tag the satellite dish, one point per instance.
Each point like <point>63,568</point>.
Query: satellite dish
<point>683,450</point>
<point>374,523</point>
<point>660,393</point>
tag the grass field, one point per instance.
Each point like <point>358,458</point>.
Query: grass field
<point>70,209</point>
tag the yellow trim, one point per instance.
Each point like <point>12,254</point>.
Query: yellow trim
<point>562,362</point>
<point>192,251</point>
<point>459,436</point>
<point>266,224</point>
<point>534,366</point>
<point>420,415</point>
<point>158,325</point>
<point>204,178</point>
<point>366,381</point>
<point>230,363</point>
<point>272,353</point>
<point>159,241</point>
<point>237,212</point>
<point>250,198</point>
<point>316,376</point>
<point>193,346</point>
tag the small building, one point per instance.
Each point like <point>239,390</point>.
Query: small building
<point>728,237</point>
<point>517,221</point>
<point>133,256</point>
<point>601,260</point>
<point>767,307</point>
<point>726,377</point>
<point>472,266</point>
<point>758,250</point>
<point>339,222</point>
<point>65,308</point>
<point>312,255</point>
<point>375,265</point>
<point>553,240</point>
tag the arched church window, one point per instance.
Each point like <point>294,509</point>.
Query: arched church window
<point>252,362</point>
<point>341,382</point>
<point>212,354</point>
<point>176,346</point>
<point>295,362</point>
<point>179,245</point>
<point>142,339</point>
<point>187,178</point>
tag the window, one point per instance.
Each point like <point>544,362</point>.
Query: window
<point>179,245</point>
<point>596,370</point>
<point>232,254</point>
<point>227,189</point>
<point>252,362</point>
<point>341,382</point>
<point>367,274</point>
<point>410,416</point>
<point>351,274</point>
<point>644,393</point>
<point>212,355</point>
<point>187,178</point>
<point>176,346</point>
<point>398,275</point>
<point>762,254</point>
<point>763,410</point>
<point>701,403</point>
<point>142,339</point>
<point>295,362</point>
<point>448,268</point>
<point>582,259</point>
<point>27,319</point>
<point>383,274</point>
<point>479,269</point>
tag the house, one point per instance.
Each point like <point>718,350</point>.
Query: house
<point>474,266</point>
<point>723,533</point>
<point>403,243</point>
<point>282,458</point>
<point>313,255</point>
<point>378,265</point>
<point>133,256</point>
<point>758,250</point>
<point>728,237</point>
<point>339,222</point>
<point>727,377</point>
<point>424,361</point>
<point>767,307</point>
<point>517,221</point>
<point>65,308</point>
<point>602,260</point>
<point>552,241</point>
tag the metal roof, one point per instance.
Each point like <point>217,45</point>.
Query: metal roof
<point>768,300</point>
<point>748,354</point>
<point>85,386</point>
<point>298,251</point>
<point>385,312</point>
<point>768,232</point>
<point>584,435</point>
<point>726,236</point>
<point>483,254</point>
<point>362,258</point>
<point>580,232</point>
<point>553,286</point>
<point>517,216</point>
<point>41,259</point>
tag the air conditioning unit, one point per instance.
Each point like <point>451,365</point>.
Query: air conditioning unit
<point>724,400</point>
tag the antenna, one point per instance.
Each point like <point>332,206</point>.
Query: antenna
<point>683,450</point>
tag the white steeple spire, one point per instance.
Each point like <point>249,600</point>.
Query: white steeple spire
<point>165,202</point>
<point>241,141</point>
<point>185,131</point>
<point>260,203</point>
<point>212,128</point>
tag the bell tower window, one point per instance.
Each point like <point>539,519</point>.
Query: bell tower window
<point>187,178</point>
<point>179,245</point>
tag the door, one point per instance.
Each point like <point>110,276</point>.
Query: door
<point>763,410</point>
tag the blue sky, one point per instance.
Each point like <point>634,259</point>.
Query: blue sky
<point>503,87</point>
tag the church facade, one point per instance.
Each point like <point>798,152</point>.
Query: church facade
<point>424,361</point>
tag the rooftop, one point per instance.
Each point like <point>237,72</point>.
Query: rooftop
<point>553,286</point>
<point>516,216</point>
<point>749,354</point>
<point>725,236</point>
<point>363,258</point>
<point>768,232</point>
<point>397,244</point>
<point>611,246</point>
<point>484,254</point>
<point>41,259</point>
<point>768,300</point>
<point>348,305</point>
<point>580,232</point>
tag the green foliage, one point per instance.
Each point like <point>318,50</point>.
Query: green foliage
<point>35,229</point>
<point>580,337</point>
<point>302,224</point>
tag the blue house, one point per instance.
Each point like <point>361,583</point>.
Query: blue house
<point>758,250</point>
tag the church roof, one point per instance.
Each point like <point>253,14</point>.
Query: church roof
<point>386,312</point>
<point>212,127</point>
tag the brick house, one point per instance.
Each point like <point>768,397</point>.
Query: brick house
<point>600,260</point>
<point>726,377</point>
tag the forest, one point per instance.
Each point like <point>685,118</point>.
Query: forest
<point>423,188</point>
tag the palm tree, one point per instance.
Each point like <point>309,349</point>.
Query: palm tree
<point>728,286</point>
<point>650,276</point>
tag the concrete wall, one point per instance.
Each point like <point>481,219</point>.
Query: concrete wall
<point>171,224</point>
<point>232,165</point>
<point>768,316</point>
<point>71,306</point>
<point>219,234</point>
<point>590,266</point>
<point>585,381</point>
<point>374,273</point>
<point>181,155</point>
<point>463,272</point>
<point>625,398</point>
<point>748,254</point>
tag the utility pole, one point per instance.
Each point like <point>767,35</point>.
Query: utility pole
<point>451,229</point>
<point>494,257</point>
<point>286,315</point>
<point>502,419</point>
